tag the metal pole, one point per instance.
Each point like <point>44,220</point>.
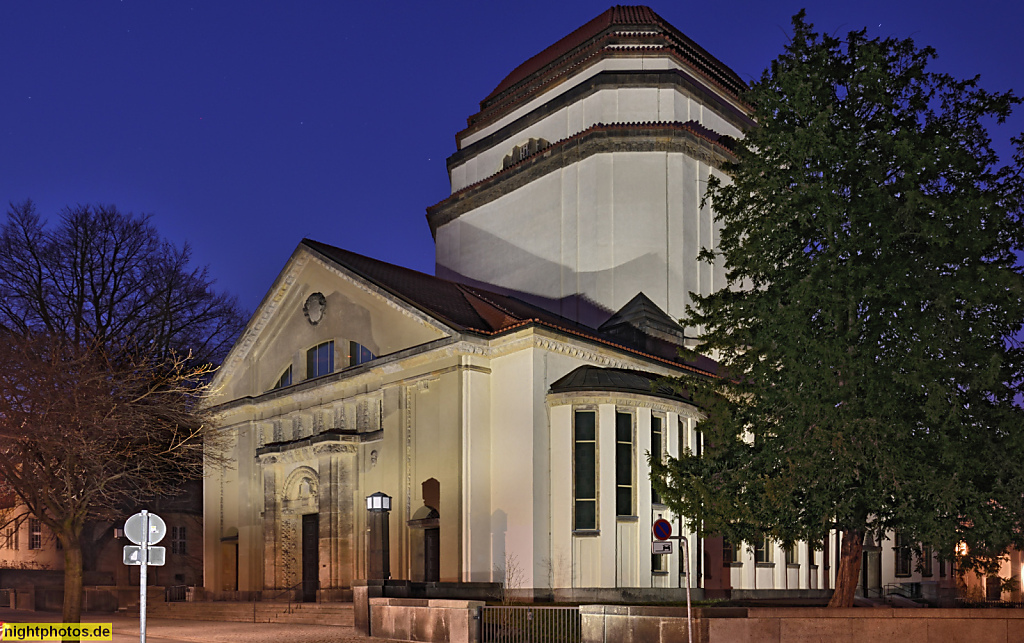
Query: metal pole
<point>679,577</point>
<point>142,576</point>
<point>684,550</point>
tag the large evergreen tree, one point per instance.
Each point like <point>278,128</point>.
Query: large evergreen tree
<point>871,324</point>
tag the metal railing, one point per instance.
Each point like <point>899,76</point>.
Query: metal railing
<point>522,624</point>
<point>299,588</point>
<point>176,594</point>
<point>973,604</point>
<point>906,590</point>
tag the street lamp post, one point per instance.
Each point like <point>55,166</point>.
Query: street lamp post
<point>378,550</point>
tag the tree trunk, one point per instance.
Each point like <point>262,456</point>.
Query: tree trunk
<point>72,579</point>
<point>848,568</point>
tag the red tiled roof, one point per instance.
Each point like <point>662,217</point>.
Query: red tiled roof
<point>592,40</point>
<point>475,309</point>
<point>617,15</point>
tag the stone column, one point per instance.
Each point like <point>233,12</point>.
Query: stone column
<point>270,521</point>
<point>336,464</point>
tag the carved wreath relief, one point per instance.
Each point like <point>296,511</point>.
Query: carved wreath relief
<point>314,308</point>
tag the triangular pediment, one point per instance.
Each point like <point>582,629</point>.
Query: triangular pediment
<point>316,299</point>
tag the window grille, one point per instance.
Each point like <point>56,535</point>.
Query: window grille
<point>585,470</point>
<point>623,464</point>
<point>320,360</point>
<point>35,534</point>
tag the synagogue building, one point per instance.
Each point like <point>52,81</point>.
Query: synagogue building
<point>504,408</point>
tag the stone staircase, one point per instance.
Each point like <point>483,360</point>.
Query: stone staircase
<point>337,614</point>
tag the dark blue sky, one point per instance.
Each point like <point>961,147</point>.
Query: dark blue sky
<point>245,126</point>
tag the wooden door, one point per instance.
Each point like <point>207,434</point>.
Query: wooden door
<point>310,556</point>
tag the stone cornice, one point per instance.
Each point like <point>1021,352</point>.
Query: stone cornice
<point>332,442</point>
<point>610,79</point>
<point>368,383</point>
<point>599,139</point>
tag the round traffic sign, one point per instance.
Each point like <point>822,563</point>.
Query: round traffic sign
<point>662,529</point>
<point>134,529</point>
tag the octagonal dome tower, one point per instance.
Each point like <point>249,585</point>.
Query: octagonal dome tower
<point>578,183</point>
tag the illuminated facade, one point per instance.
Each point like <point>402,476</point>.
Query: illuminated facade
<point>508,404</point>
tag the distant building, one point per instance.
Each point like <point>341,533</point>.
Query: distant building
<point>32,557</point>
<point>508,404</point>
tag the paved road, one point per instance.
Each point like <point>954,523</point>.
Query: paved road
<point>161,630</point>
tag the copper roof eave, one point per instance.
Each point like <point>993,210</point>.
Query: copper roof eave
<point>601,27</point>
<point>493,113</point>
<point>589,43</point>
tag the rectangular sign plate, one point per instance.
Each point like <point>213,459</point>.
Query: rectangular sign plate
<point>661,547</point>
<point>133,555</point>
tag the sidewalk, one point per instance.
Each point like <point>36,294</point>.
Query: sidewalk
<point>161,630</point>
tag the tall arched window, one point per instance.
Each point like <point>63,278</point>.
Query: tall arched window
<point>358,354</point>
<point>285,379</point>
<point>320,360</point>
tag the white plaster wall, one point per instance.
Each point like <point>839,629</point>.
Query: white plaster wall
<point>606,228</point>
<point>561,496</point>
<point>476,400</point>
<point>606,519</point>
<point>653,62</point>
<point>18,555</point>
<point>513,491</point>
<point>606,105</point>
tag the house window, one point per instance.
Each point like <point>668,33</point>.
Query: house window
<point>35,534</point>
<point>656,442</point>
<point>926,561</point>
<point>285,379</point>
<point>320,360</point>
<point>178,540</point>
<point>730,553</point>
<point>763,551</point>
<point>792,555</point>
<point>942,568</point>
<point>585,470</point>
<point>11,537</point>
<point>358,354</point>
<point>658,563</point>
<point>623,464</point>
<point>903,555</point>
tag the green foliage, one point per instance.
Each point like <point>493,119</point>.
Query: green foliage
<point>871,324</point>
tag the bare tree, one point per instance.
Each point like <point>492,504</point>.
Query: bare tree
<point>105,277</point>
<point>107,341</point>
